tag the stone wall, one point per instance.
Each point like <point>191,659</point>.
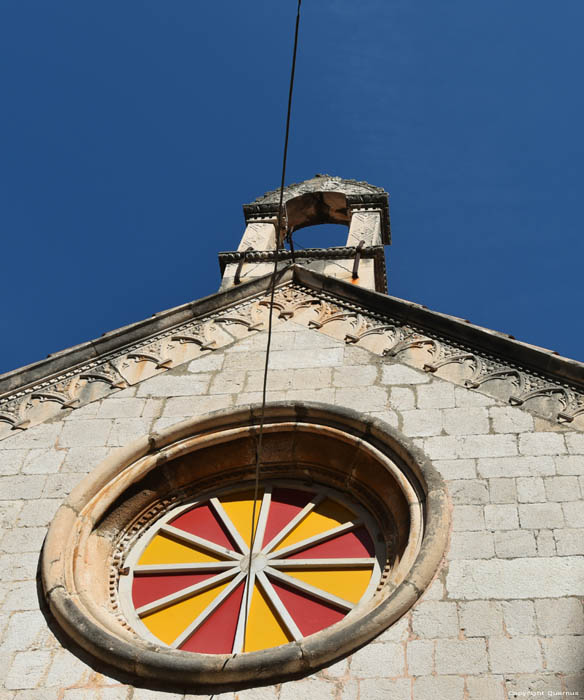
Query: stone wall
<point>504,615</point>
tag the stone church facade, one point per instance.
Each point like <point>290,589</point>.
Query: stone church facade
<point>479,590</point>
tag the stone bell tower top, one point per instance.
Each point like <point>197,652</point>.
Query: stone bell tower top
<point>324,199</point>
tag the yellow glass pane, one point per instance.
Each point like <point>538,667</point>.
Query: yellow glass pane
<point>168,623</point>
<point>324,517</point>
<point>348,584</point>
<point>263,628</point>
<point>164,550</point>
<point>239,508</point>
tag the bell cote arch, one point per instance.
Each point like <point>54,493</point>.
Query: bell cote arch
<point>324,199</point>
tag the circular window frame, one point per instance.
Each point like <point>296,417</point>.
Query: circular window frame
<point>74,562</point>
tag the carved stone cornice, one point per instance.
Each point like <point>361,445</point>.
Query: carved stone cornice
<point>478,359</point>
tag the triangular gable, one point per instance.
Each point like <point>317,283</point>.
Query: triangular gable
<point>400,331</point>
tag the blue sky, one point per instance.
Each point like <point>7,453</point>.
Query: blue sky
<point>132,132</point>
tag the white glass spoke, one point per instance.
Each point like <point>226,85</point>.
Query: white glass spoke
<point>226,520</point>
<point>315,539</point>
<point>280,608</point>
<point>192,567</point>
<point>213,605</point>
<point>322,563</point>
<point>298,518</point>
<point>307,588</point>
<point>199,542</point>
<point>185,593</point>
<point>262,520</point>
<point>239,640</point>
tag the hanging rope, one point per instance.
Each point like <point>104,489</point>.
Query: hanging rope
<point>273,280</point>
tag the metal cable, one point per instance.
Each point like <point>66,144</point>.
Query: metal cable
<point>270,324</point>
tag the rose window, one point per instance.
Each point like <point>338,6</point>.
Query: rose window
<point>192,585</point>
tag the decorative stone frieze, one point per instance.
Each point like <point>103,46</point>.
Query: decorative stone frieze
<point>327,313</point>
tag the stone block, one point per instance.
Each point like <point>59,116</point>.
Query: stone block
<point>299,358</point>
<point>465,421</point>
<point>433,619</point>
<point>60,485</point>
<point>40,436</point>
<point>562,488</point>
<point>22,630</point>
<point>402,398</point>
<point>19,566</point>
<point>564,653</point>
<point>8,512</point>
<point>21,596</point>
<point>471,545</point>
<point>169,384</point>
<point>507,419</point>
<point>546,543</point>
<point>23,539</point>
<point>27,669</point>
<point>575,443</point>
<point>574,683</point>
<point>39,461</point>
<point>500,579</point>
<point>488,446</point>
<point>22,486</point>
<point>421,423</point>
<point>125,430</point>
<point>456,468</point>
<point>502,490</point>
<point>516,466</point>
<point>569,541</point>
<point>389,417</point>
<point>359,376</point>
<point>515,543</point>
<point>530,489</point>
<point>420,655</point>
<point>559,616</point>
<point>519,617</point>
<point>212,362</point>
<point>385,688</point>
<point>317,688</point>
<point>84,459</point>
<point>349,691</point>
<point>374,398</point>
<point>11,461</point>
<point>574,513</point>
<point>400,374</point>
<point>570,464</point>
<point>461,656</point>
<point>438,688</point>
<point>66,670</point>
<point>501,516</point>
<point>122,408</point>
<point>398,632</point>
<point>338,670</point>
<point>269,692</point>
<point>538,444</point>
<point>485,688</point>
<point>386,659</point>
<point>436,395</point>
<point>468,518</point>
<point>534,516</point>
<point>466,397</point>
<point>442,447</point>
<point>481,618</point>
<point>187,406</point>
<point>469,492</point>
<point>85,433</point>
<point>515,655</point>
